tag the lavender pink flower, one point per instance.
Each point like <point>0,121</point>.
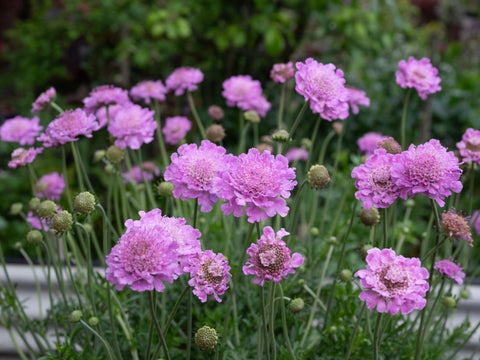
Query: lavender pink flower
<point>209,275</point>
<point>297,154</point>
<point>21,130</point>
<point>184,79</point>
<point>193,171</point>
<point>369,142</point>
<point>22,157</point>
<point>357,97</point>
<point>428,169</point>
<point>269,259</point>
<point>418,74</point>
<point>245,93</point>
<point>449,269</point>
<point>43,100</point>
<point>393,283</point>
<point>104,95</point>
<point>150,171</point>
<point>50,186</point>
<point>469,146</point>
<point>132,127</point>
<point>175,129</point>
<point>148,90</point>
<point>37,223</point>
<point>324,87</point>
<point>282,72</point>
<point>113,110</point>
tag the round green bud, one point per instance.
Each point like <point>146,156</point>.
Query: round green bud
<point>314,231</point>
<point>302,282</point>
<point>306,143</point>
<point>99,155</point>
<point>16,208</point>
<point>88,227</point>
<point>40,187</point>
<point>84,203</point>
<point>114,154</point>
<point>34,237</point>
<point>365,248</point>
<point>369,217</point>
<point>464,294</point>
<point>345,275</point>
<point>140,186</point>
<point>165,188</point>
<point>206,338</point>
<point>33,203</point>
<point>47,209</point>
<point>332,329</point>
<point>332,240</point>
<point>410,203</point>
<point>280,136</point>
<point>215,133</point>
<point>318,176</point>
<point>296,305</point>
<point>252,116</point>
<point>62,221</point>
<point>76,315</point>
<point>449,302</point>
<point>18,245</point>
<point>93,321</point>
<point>109,168</point>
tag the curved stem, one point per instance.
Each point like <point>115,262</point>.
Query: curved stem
<point>297,120</point>
<point>152,304</point>
<point>284,324</point>
<point>104,342</point>
<point>195,115</point>
<point>376,338</point>
<point>404,117</point>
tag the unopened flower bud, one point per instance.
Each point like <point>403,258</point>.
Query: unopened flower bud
<point>302,282</point>
<point>16,208</point>
<point>338,127</point>
<point>345,275</point>
<point>206,338</point>
<point>99,155</point>
<point>365,248</point>
<point>76,315</point>
<point>306,143</point>
<point>410,203</point>
<point>464,294</point>
<point>18,245</point>
<point>34,237</point>
<point>40,187</point>
<point>449,302</point>
<point>215,133</point>
<point>165,188</point>
<point>88,227</point>
<point>251,116</point>
<point>109,168</point>
<point>318,176</point>
<point>46,209</point>
<point>62,221</point>
<point>93,321</point>
<point>33,203</point>
<point>216,112</point>
<point>84,203</point>
<point>369,217</point>
<point>296,305</point>
<point>314,231</point>
<point>280,136</point>
<point>332,329</point>
<point>332,240</point>
<point>390,145</point>
<point>114,154</point>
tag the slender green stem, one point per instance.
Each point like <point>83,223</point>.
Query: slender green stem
<point>65,177</point>
<point>272,320</point>
<point>161,142</point>
<point>189,324</point>
<point>195,115</point>
<point>323,149</point>
<point>81,166</point>
<point>313,139</point>
<point>404,117</point>
<point>376,338</point>
<point>37,282</point>
<point>293,213</point>
<point>284,324</point>
<point>104,342</point>
<point>54,105</point>
<point>152,305</point>
<point>297,120</point>
<point>354,333</point>
<point>280,115</point>
<point>167,324</point>
<point>462,345</point>
<point>317,301</point>
<point>31,178</point>
<point>266,346</point>
<point>243,136</point>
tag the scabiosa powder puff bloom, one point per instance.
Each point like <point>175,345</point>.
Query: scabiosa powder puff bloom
<point>456,226</point>
<point>369,142</point>
<point>104,95</point>
<point>184,79</point>
<point>469,146</point>
<point>427,169</point>
<point>21,130</point>
<point>193,171</point>
<point>245,93</point>
<point>44,100</point>
<point>132,126</point>
<point>296,154</point>
<point>324,87</point>
<point>259,181</point>
<point>282,72</point>
<point>270,259</point>
<point>449,269</point>
<point>113,110</point>
<point>175,129</point>
<point>374,181</point>
<point>22,157</point>
<point>150,171</point>
<point>209,275</point>
<point>392,282</point>
<point>418,74</point>
<point>357,97</point>
<point>50,186</point>
<point>148,90</point>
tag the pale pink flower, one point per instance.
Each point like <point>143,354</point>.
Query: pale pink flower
<point>50,186</point>
<point>215,112</point>
<point>113,110</point>
<point>469,146</point>
<point>175,129</point>
<point>418,74</point>
<point>36,222</point>
<point>148,90</point>
<point>449,269</point>
<point>184,79</point>
<point>357,97</point>
<point>150,171</point>
<point>22,157</point>
<point>245,93</point>
<point>104,95</point>
<point>21,130</point>
<point>44,100</point>
<point>369,142</point>
<point>282,72</point>
<point>297,154</point>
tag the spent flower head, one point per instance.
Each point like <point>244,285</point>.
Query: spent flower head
<point>456,226</point>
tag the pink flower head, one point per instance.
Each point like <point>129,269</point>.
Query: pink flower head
<point>244,92</point>
<point>184,79</point>
<point>374,180</point>
<point>132,126</point>
<point>269,258</point>
<point>36,222</point>
<point>193,171</point>
<point>215,112</point>
<point>393,283</point>
<point>324,87</point>
<point>296,154</point>
<point>257,180</point>
<point>282,72</point>
<point>44,100</point>
<point>68,126</point>
<point>175,129</point>
<point>21,130</point>
<point>449,269</point>
<point>427,169</point>
<point>369,142</point>
<point>209,275</point>
<point>113,110</point>
<point>150,171</point>
<point>50,186</point>
<point>418,74</point>
<point>469,147</point>
<point>22,157</point>
<point>104,95</point>
<point>475,221</point>
<point>148,90</point>
<point>357,97</point>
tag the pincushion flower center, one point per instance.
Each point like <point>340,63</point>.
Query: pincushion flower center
<point>213,272</point>
<point>201,170</point>
<point>425,169</point>
<point>256,179</point>
<point>140,256</point>
<point>322,83</point>
<point>381,177</point>
<point>270,258</point>
<point>19,154</point>
<point>419,73</point>
<point>240,89</point>
<point>394,279</point>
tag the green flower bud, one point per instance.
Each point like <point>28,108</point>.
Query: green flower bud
<point>345,275</point>
<point>33,203</point>
<point>34,237</point>
<point>165,188</point>
<point>332,240</point>
<point>84,203</point>
<point>16,208</point>
<point>40,187</point>
<point>464,294</point>
<point>47,209</point>
<point>62,221</point>
<point>280,136</point>
<point>252,116</point>
<point>369,217</point>
<point>206,338</point>
<point>93,321</point>
<point>365,249</point>
<point>314,231</point>
<point>306,143</point>
<point>99,155</point>
<point>114,154</point>
<point>18,245</point>
<point>76,315</point>
<point>449,302</point>
<point>318,176</point>
<point>296,305</point>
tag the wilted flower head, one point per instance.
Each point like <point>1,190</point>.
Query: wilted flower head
<point>209,275</point>
<point>193,171</point>
<point>296,154</point>
<point>357,97</point>
<point>369,142</point>
<point>104,95</point>
<point>244,92</point>
<point>215,133</point>
<point>282,72</point>
<point>270,259</point>
<point>50,186</point>
<point>456,226</point>
<point>184,79</point>
<point>150,171</point>
<point>44,100</point>
<point>148,90</point>
<point>390,145</point>
<point>418,74</point>
<point>324,87</point>
<point>449,269</point>
<point>393,283</point>
<point>427,169</point>
<point>175,129</point>
<point>215,112</point>
<point>22,157</point>
<point>259,181</point>
<point>21,130</point>
<point>132,126</point>
<point>469,147</point>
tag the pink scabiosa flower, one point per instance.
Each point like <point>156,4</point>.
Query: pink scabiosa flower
<point>209,275</point>
<point>193,171</point>
<point>44,100</point>
<point>393,283</point>
<point>36,222</point>
<point>21,130</point>
<point>259,181</point>
<point>132,126</point>
<point>297,154</point>
<point>374,181</point>
<point>22,157</point>
<point>357,97</point>
<point>184,79</point>
<point>104,95</point>
<point>369,142</point>
<point>67,127</point>
<point>270,259</point>
<point>150,171</point>
<point>50,186</point>
<point>469,146</point>
<point>282,72</point>
<point>245,93</point>
<point>428,169</point>
<point>455,226</point>
<point>175,129</point>
<point>101,113</point>
<point>418,74</point>
<point>324,87</point>
<point>449,269</point>
<point>148,90</point>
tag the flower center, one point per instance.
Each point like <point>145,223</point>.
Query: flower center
<point>271,258</point>
<point>394,279</point>
<point>473,144</point>
<point>323,82</point>
<point>213,272</point>
<point>140,256</point>
<point>381,177</point>
<point>426,168</point>
<point>201,170</point>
